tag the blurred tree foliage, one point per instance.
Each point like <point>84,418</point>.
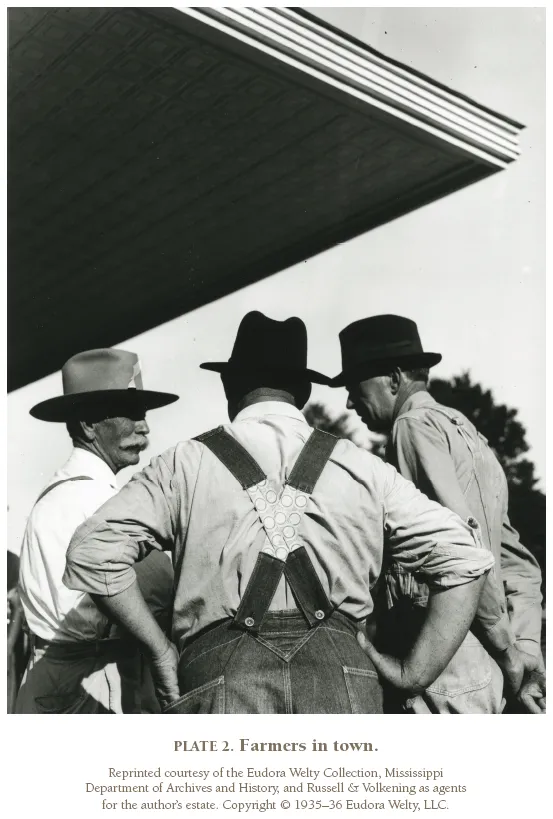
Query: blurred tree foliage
<point>318,416</point>
<point>505,434</point>
<point>344,425</point>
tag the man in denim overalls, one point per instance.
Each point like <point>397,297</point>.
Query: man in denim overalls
<point>385,371</point>
<point>278,533</point>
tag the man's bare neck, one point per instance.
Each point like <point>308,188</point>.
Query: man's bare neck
<point>89,447</point>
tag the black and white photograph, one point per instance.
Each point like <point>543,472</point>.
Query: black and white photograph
<point>275,362</point>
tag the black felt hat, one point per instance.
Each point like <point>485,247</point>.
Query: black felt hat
<point>372,345</point>
<point>264,345</point>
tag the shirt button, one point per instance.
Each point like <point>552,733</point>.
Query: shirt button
<point>319,614</point>
<point>249,622</point>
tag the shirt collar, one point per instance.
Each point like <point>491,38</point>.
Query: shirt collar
<point>417,399</point>
<point>83,462</point>
<point>263,408</point>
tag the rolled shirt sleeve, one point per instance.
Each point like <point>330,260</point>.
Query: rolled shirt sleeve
<point>141,517</point>
<point>430,540</point>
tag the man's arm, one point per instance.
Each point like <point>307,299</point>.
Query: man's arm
<point>424,537</point>
<point>145,515</point>
<point>448,617</point>
<point>522,579</point>
<point>129,609</point>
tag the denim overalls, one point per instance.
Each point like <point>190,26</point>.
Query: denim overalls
<point>303,660</point>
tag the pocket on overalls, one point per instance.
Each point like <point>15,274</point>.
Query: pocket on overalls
<point>207,699</point>
<point>364,690</point>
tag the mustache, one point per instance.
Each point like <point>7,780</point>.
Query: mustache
<point>140,445</point>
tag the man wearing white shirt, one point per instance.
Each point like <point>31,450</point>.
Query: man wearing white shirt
<point>79,663</point>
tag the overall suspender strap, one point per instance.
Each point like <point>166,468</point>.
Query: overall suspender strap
<point>268,570</point>
<point>64,480</point>
<point>280,517</point>
<point>306,587</point>
<point>259,592</point>
<point>299,571</point>
<point>237,460</point>
<point>311,461</point>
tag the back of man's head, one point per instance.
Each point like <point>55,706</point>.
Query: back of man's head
<point>417,374</point>
<point>243,389</point>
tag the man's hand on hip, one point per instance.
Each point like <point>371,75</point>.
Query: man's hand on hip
<point>449,613</point>
<point>525,678</point>
<point>532,692</point>
<point>164,667</point>
<point>389,668</point>
<point>129,609</point>
<point>512,666</point>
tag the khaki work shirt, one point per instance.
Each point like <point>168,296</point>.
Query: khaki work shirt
<point>440,450</point>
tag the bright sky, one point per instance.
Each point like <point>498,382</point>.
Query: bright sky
<point>469,268</point>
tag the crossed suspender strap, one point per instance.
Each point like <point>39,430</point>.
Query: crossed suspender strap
<point>57,483</point>
<point>280,518</point>
<point>299,571</point>
<point>311,461</point>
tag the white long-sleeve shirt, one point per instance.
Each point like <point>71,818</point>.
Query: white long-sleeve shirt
<point>53,611</point>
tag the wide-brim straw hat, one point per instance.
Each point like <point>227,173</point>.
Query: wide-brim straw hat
<point>100,381</point>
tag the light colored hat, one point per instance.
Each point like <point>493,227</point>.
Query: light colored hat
<point>100,378</point>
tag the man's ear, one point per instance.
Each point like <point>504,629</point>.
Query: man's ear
<point>395,380</point>
<point>89,430</point>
